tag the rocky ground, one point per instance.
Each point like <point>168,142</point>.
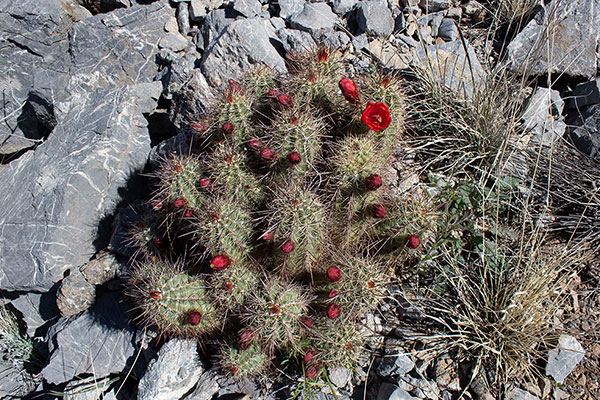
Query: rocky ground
<point>94,91</point>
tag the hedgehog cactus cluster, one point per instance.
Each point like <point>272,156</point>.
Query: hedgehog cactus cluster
<point>278,230</point>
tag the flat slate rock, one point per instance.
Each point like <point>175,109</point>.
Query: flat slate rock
<point>374,18</point>
<point>53,200</point>
<point>314,18</point>
<point>99,341</point>
<point>562,39</point>
<point>563,359</point>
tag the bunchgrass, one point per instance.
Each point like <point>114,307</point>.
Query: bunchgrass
<point>18,346</point>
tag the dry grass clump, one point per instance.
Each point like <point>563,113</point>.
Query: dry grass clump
<point>18,346</point>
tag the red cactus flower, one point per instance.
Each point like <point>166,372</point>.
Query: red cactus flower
<point>379,211</point>
<point>309,356</point>
<point>284,99</point>
<point>255,144</point>
<point>333,293</point>
<point>220,262</point>
<point>288,246</point>
<point>412,241</point>
<point>322,55</point>
<point>268,236</point>
<point>268,154</point>
<point>179,202</point>
<point>188,213</point>
<point>227,128</point>
<point>204,182</point>
<point>294,157</point>
<point>376,116</point>
<point>334,274</point>
<point>306,322</point>
<point>312,371</point>
<point>348,88</point>
<point>246,338</point>
<point>155,294</point>
<point>194,317</point>
<point>333,311</point>
<point>373,182</point>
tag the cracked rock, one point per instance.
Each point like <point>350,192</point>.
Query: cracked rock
<point>563,359</point>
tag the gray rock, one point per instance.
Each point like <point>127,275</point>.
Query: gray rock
<point>585,94</point>
<point>183,18</point>
<point>519,394</point>
<point>206,388</point>
<point>101,269</point>
<point>563,359</point>
<point>36,309</point>
<point>290,7</point>
<point>339,376</point>
<point>32,34</point>
<point>314,18</point>
<point>583,128</point>
<point>242,44</point>
<point>214,25</point>
<point>15,382</point>
<point>434,5</point>
<point>387,391</point>
<point>90,388</point>
<point>448,30</point>
<point>53,199</point>
<point>197,10</point>
<point>561,39</point>
<point>542,117</point>
<point>174,373</point>
<point>374,18</point>
<point>342,7</point>
<point>295,41</point>
<point>395,365</point>
<point>99,342</point>
<point>191,99</point>
<point>248,8</point>
<point>448,64</point>
<point>173,41</point>
<point>75,294</point>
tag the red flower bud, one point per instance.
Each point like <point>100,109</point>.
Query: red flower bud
<point>348,88</point>
<point>334,274</point>
<point>199,126</point>
<point>288,246</point>
<point>220,262</point>
<point>294,157</point>
<point>155,294</point>
<point>284,99</point>
<point>333,293</point>
<point>312,371</point>
<point>255,144</point>
<point>227,128</point>
<point>412,242</point>
<point>370,284</point>
<point>204,182</point>
<point>333,311</point>
<point>322,55</point>
<point>309,356</point>
<point>179,202</point>
<point>373,181</point>
<point>268,236</point>
<point>229,286</point>
<point>376,116</point>
<point>157,242</point>
<point>234,86</point>
<point>178,168</point>
<point>379,211</point>
<point>188,213</point>
<point>267,154</point>
<point>306,321</point>
<point>194,317</point>
<point>272,93</point>
<point>246,338</point>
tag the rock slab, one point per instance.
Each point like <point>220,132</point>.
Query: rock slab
<point>563,359</point>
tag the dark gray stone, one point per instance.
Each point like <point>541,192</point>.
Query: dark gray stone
<point>314,18</point>
<point>99,342</point>
<point>387,391</point>
<point>75,294</point>
<point>33,39</point>
<point>183,18</point>
<point>290,7</point>
<point>342,7</point>
<point>242,44</point>
<point>173,41</point>
<point>583,128</point>
<point>562,39</point>
<point>104,6</point>
<point>248,8</point>
<point>214,25</point>
<point>117,49</point>
<point>542,117</point>
<point>430,6</point>
<point>36,309</point>
<point>295,41</point>
<point>52,200</point>
<point>395,365</point>
<point>193,98</point>
<point>448,63</point>
<point>374,18</point>
<point>564,359</point>
<point>585,94</point>
<point>448,30</point>
<point>206,388</point>
<point>174,373</point>
<point>15,382</point>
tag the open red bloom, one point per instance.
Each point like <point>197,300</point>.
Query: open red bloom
<point>333,311</point>
<point>348,88</point>
<point>412,242</point>
<point>376,116</point>
<point>220,262</point>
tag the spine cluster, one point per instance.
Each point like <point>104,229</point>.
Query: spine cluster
<point>278,231</point>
